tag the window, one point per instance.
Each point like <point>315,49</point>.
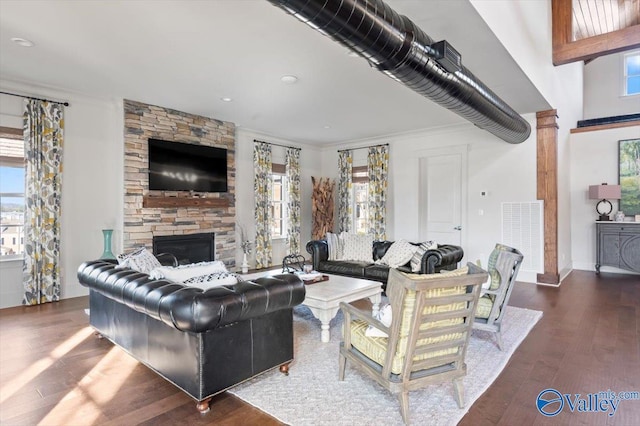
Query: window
<point>279,205</point>
<point>360,179</point>
<point>11,193</point>
<point>632,74</point>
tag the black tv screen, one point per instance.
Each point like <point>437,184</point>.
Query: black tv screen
<point>175,166</point>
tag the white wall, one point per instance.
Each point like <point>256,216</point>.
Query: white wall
<point>310,165</point>
<point>594,160</point>
<point>524,28</point>
<point>92,188</point>
<point>603,84</point>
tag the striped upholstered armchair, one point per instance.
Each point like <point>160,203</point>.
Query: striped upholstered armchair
<point>432,315</point>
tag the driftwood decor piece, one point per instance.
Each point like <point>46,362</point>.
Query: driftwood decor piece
<point>322,207</point>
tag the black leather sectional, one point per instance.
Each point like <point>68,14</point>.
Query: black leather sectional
<point>204,342</point>
<point>445,257</point>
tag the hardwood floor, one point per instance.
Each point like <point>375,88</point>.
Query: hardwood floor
<point>55,371</point>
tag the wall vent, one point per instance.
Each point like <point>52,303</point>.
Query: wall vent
<point>523,229</point>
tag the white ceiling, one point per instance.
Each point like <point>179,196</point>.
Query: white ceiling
<point>186,55</point>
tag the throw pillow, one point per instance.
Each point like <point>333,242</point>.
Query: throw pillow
<point>416,260</point>
<point>141,260</point>
<point>185,272</point>
<point>494,275</point>
<point>333,245</point>
<point>398,254</point>
<point>358,247</point>
<point>215,279</point>
<point>384,316</point>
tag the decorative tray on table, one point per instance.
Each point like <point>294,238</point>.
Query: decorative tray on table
<point>312,277</point>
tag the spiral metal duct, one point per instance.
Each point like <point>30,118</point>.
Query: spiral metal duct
<point>393,44</point>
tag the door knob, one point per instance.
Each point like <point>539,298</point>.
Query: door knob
<point>458,228</point>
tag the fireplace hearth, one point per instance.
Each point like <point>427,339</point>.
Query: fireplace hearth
<point>191,248</point>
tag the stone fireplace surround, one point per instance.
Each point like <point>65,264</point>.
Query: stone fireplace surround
<point>142,224</point>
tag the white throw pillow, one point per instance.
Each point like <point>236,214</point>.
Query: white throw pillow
<point>333,245</point>
<point>384,316</point>
<point>141,260</point>
<point>400,253</point>
<point>416,260</point>
<point>216,279</point>
<point>185,272</point>
<point>358,247</point>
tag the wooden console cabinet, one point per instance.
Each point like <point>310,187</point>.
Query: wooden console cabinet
<point>618,245</point>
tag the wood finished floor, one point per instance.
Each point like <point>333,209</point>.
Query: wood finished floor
<point>54,371</point>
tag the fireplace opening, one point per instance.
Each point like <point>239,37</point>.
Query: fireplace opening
<point>187,249</point>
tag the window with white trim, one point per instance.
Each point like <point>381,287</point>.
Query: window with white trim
<point>360,208</point>
<point>632,73</point>
<point>280,202</point>
<point>12,184</point>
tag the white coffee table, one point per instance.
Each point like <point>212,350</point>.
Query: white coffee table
<point>323,298</point>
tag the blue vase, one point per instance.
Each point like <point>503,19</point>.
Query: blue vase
<point>107,253</point>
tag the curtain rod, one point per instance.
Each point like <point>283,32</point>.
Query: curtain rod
<point>277,144</point>
<point>363,147</point>
<point>33,97</point>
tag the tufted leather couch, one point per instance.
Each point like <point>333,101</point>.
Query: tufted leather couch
<point>202,341</point>
<point>445,257</point>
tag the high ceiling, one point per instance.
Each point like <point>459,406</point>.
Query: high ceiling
<point>597,17</point>
<point>187,55</point>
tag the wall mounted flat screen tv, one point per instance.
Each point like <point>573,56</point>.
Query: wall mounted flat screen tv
<point>176,166</point>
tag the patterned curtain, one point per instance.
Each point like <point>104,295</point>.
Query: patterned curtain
<point>345,177</point>
<point>262,190</point>
<point>292,168</point>
<point>43,138</point>
<point>377,168</point>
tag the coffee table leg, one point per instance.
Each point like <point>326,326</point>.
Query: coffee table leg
<point>325,316</point>
<point>375,300</point>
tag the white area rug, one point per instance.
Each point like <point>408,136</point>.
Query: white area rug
<point>312,394</point>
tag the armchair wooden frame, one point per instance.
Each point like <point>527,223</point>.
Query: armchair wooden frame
<point>507,266</point>
<point>418,372</point>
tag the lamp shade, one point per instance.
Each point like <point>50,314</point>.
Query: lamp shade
<point>604,192</point>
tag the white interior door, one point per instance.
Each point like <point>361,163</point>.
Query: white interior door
<point>441,197</point>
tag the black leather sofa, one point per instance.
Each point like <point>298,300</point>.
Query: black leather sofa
<point>445,257</point>
<point>204,342</point>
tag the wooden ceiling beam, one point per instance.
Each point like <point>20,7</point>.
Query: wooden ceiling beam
<point>565,50</point>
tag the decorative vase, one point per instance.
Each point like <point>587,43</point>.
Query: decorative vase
<point>245,264</point>
<point>107,253</point>
<point>619,216</point>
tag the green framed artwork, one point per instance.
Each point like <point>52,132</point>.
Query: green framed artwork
<point>629,176</point>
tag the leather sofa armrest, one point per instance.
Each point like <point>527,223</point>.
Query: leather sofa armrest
<point>319,251</point>
<point>446,256</point>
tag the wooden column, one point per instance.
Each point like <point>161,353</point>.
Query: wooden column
<point>547,170</point>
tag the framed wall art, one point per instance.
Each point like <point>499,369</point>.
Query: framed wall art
<point>629,176</point>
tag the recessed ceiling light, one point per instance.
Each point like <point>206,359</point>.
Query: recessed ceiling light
<point>289,79</point>
<point>22,42</point>
<point>327,126</point>
<point>226,99</point>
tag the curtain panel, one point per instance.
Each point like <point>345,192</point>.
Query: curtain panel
<point>293,178</point>
<point>263,197</point>
<point>345,177</point>
<point>43,137</point>
<point>377,167</point>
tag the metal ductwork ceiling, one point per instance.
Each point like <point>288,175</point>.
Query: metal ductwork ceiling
<point>393,44</point>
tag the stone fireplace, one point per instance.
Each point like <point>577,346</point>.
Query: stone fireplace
<point>208,213</point>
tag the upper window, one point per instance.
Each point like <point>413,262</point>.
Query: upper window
<point>280,202</point>
<point>632,73</point>
<point>360,179</point>
<point>12,205</point>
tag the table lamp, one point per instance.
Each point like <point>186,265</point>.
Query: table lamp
<point>604,193</point>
